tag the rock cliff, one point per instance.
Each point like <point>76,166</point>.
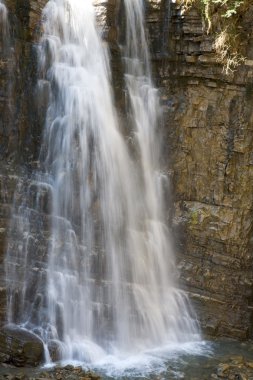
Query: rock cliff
<point>209,125</point>
<point>208,145</point>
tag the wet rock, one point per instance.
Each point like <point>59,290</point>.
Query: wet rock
<point>69,367</point>
<point>242,376</point>
<point>237,368</point>
<point>54,350</point>
<point>37,375</point>
<point>237,359</point>
<point>20,348</point>
<point>222,370</point>
<point>69,372</point>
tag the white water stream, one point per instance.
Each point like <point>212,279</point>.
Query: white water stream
<point>106,283</point>
<point>4,22</point>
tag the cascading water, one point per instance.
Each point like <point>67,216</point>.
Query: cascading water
<point>104,281</point>
<point>4,25</point>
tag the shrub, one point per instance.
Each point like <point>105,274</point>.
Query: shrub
<point>222,18</point>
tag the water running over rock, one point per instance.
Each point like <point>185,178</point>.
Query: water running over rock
<point>90,267</point>
<point>4,27</point>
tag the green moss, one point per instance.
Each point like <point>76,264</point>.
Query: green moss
<point>194,217</point>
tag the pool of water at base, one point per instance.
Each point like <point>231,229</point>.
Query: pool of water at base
<point>191,361</point>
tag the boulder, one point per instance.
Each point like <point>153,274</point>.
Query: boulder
<point>20,347</point>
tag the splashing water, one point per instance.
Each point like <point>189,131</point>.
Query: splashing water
<point>89,264</point>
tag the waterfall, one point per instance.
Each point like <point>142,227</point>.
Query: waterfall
<point>89,264</point>
<point>4,27</point>
<point>169,318</point>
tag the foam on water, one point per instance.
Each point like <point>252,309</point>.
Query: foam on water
<point>143,364</point>
<point>152,361</point>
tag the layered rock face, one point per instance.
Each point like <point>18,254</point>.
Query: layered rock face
<point>210,129</point>
<point>207,148</point>
<point>20,124</point>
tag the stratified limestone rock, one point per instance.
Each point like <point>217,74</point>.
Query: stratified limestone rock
<point>20,348</point>
<point>209,119</point>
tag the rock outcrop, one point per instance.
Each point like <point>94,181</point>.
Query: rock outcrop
<point>20,347</point>
<point>208,145</point>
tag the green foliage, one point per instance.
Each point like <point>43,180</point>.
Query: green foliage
<point>226,8</point>
<point>229,7</point>
<point>194,217</point>
<point>222,18</point>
